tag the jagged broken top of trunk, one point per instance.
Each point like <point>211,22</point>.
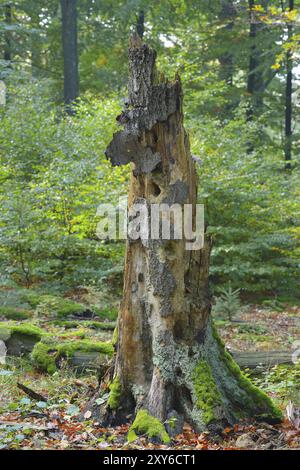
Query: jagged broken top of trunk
<point>152,99</point>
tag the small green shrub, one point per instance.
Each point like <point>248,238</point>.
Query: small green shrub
<point>228,303</point>
<point>30,297</point>
<point>282,381</point>
<point>274,304</point>
<point>256,329</point>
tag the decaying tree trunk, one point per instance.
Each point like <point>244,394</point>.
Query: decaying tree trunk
<point>169,361</point>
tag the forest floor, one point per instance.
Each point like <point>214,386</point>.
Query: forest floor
<point>52,422</point>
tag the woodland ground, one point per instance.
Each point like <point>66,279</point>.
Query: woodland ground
<point>53,422</point>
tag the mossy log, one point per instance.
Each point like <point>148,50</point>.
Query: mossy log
<point>47,354</point>
<point>252,359</point>
<point>169,359</point>
<point>19,339</point>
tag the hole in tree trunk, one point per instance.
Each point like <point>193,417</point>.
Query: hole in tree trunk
<point>191,353</point>
<point>178,330</point>
<point>200,336</point>
<point>155,189</point>
<point>184,397</point>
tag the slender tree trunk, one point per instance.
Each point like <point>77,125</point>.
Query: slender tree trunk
<point>36,49</point>
<point>8,21</point>
<point>69,40</point>
<point>255,80</point>
<point>169,361</point>
<point>140,24</point>
<point>288,98</point>
<point>227,15</point>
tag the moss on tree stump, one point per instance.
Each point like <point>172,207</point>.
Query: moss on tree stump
<point>149,426</point>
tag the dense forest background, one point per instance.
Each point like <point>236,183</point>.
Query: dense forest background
<point>66,80</point>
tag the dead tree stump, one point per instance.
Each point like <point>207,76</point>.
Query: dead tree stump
<point>169,359</point>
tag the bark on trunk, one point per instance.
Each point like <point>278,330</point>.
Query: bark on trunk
<point>7,39</point>
<point>169,360</point>
<point>36,46</point>
<point>255,83</point>
<point>140,24</point>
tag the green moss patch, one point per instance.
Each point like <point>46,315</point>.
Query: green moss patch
<point>109,326</point>
<point>80,334</point>
<point>145,424</point>
<point>25,329</point>
<point>207,393</point>
<point>44,357</point>
<point>115,337</point>
<point>115,394</point>
<point>86,346</point>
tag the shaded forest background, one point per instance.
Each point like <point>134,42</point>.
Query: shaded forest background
<point>239,64</point>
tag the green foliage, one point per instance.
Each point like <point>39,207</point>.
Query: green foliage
<point>53,177</point>
<point>274,304</point>
<point>54,173</point>
<point>145,424</point>
<point>250,328</point>
<point>251,207</point>
<point>281,380</point>
<point>227,303</point>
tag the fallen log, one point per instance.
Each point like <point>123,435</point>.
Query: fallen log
<point>90,360</point>
<point>20,340</point>
<point>266,359</point>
